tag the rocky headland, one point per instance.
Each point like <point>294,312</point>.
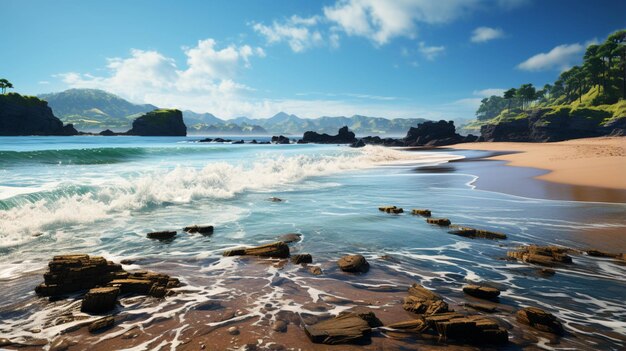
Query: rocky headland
<point>28,115</point>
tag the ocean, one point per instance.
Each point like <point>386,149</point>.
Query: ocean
<point>101,195</point>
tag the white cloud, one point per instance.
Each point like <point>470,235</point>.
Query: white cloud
<point>484,34</point>
<point>430,52</point>
<point>380,21</point>
<point>560,57</point>
<point>296,31</point>
<point>206,83</point>
<point>488,92</point>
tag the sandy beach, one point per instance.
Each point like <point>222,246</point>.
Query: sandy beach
<point>594,162</point>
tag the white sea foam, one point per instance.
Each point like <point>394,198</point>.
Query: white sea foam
<point>182,185</point>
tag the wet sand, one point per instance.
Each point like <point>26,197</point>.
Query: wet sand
<point>581,170</point>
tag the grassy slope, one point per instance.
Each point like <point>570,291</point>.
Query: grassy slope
<point>578,108</point>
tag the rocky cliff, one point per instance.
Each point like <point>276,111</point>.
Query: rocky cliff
<point>28,115</point>
<point>550,124</point>
<point>344,136</point>
<point>433,133</point>
<point>161,122</point>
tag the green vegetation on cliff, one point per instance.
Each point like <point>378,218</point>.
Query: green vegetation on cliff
<point>594,91</point>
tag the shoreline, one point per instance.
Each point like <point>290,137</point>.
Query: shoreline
<point>589,170</point>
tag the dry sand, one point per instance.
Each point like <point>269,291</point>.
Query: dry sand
<point>596,162</point>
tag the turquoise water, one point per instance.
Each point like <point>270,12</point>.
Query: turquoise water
<point>101,195</point>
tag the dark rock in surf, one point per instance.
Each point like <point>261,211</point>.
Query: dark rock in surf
<point>359,143</point>
<point>343,329</point>
<point>107,132</point>
<point>301,258</point>
<point>476,233</point>
<point>280,140</point>
<point>598,253</point>
<point>202,229</point>
<point>542,255</point>
<point>274,250</point>
<point>344,136</point>
<point>275,199</point>
<point>163,235</point>
<point>160,122</point>
<point>99,300</point>
<point>101,324</point>
<point>540,320</point>
<point>471,329</point>
<point>444,222</point>
<point>481,292</point>
<point>315,270</point>
<point>238,142</point>
<point>431,133</point>
<point>205,140</point>
<point>366,314</point>
<point>421,212</point>
<point>353,264</point>
<point>391,209</point>
<point>290,238</point>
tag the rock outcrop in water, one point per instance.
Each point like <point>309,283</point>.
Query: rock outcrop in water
<point>428,134</point>
<point>280,139</point>
<point>540,319</point>
<point>28,115</point>
<point>353,264</point>
<point>542,255</point>
<point>344,136</point>
<point>160,122</point>
<point>104,279</point>
<point>274,250</point>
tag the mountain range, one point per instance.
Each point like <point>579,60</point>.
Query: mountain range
<point>96,110</point>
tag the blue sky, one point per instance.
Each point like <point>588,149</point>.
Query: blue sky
<point>403,58</point>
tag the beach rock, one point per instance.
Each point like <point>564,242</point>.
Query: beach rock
<point>353,264</point>
<point>315,270</point>
<point>344,136</point>
<point>275,250</point>
<point>481,292</point>
<point>290,238</point>
<point>444,222</point>
<point>29,115</point>
<point>101,324</point>
<point>5,342</point>
<point>366,314</point>
<point>344,329</point>
<point>472,329</point>
<point>99,300</point>
<point>127,262</point>
<point>163,235</point>
<point>421,212</point>
<point>132,286</point>
<point>476,233</point>
<point>233,331</point>
<point>431,133</point>
<point>203,229</point>
<point>280,140</point>
<point>205,140</point>
<point>391,209</point>
<point>412,325</point>
<point>160,122</point>
<point>540,319</point>
<point>302,258</point>
<point>423,301</point>
<point>77,272</point>
<point>358,143</point>
<point>542,255</point>
<point>238,142</point>
<point>482,307</point>
<point>279,326</point>
<point>275,199</point>
<point>61,344</point>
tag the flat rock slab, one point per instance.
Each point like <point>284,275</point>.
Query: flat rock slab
<point>477,233</point>
<point>353,264</point>
<point>542,255</point>
<point>412,325</point>
<point>164,235</point>
<point>290,238</point>
<point>201,229</point>
<point>424,301</point>
<point>481,292</point>
<point>275,250</point>
<point>421,212</point>
<point>101,324</point>
<point>345,329</point>
<point>540,320</point>
<point>444,222</point>
<point>473,329</point>
<point>99,300</point>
